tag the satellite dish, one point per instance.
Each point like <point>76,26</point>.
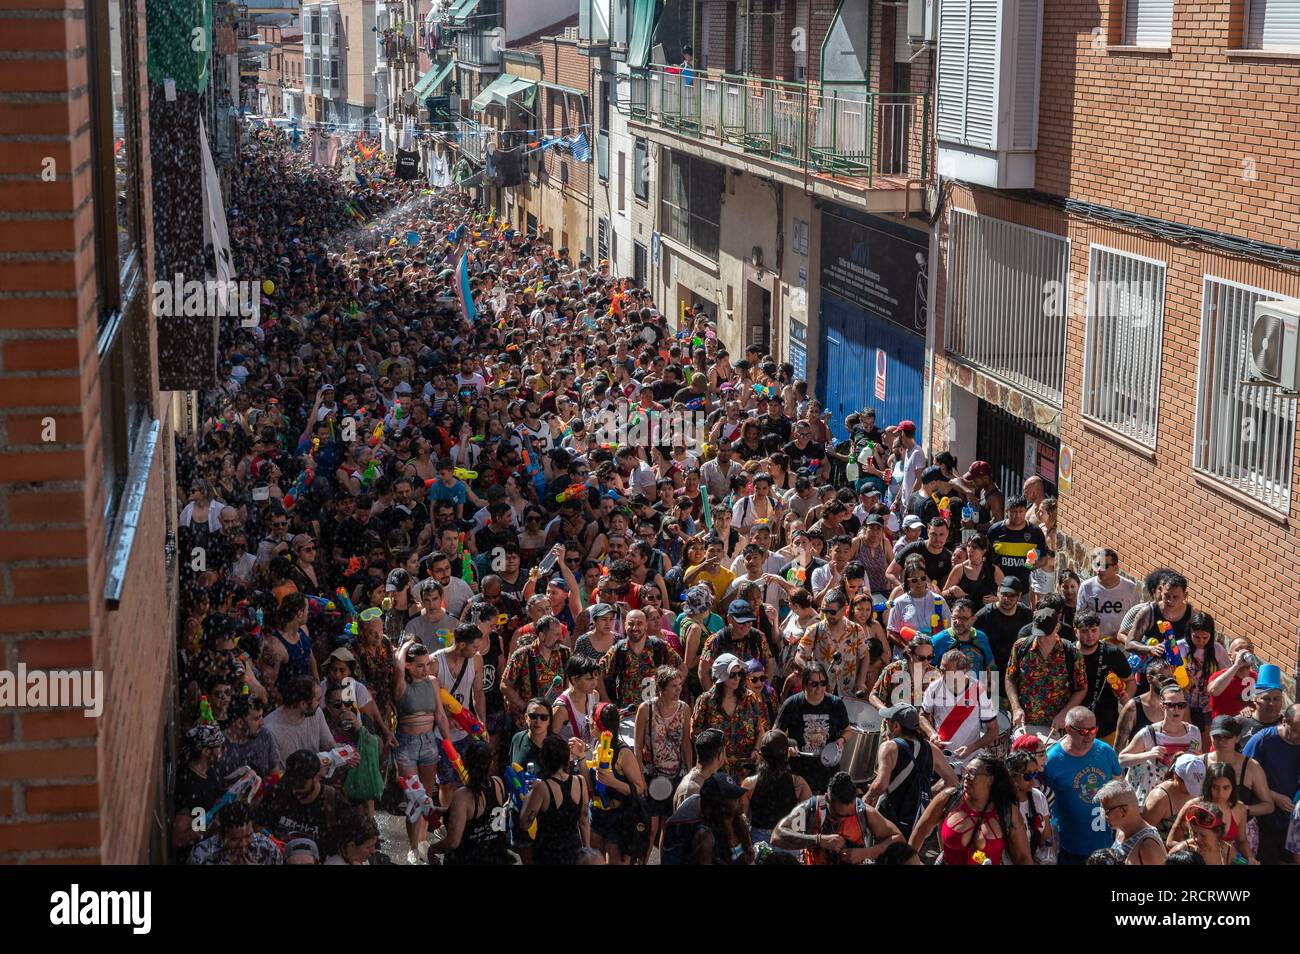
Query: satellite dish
<point>409,97</point>
<point>1266,346</point>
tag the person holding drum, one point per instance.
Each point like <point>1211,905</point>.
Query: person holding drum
<point>663,741</point>
<point>818,726</point>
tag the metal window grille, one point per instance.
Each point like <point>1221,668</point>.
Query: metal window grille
<point>1121,386</point>
<point>1245,435</point>
<point>1007,301</point>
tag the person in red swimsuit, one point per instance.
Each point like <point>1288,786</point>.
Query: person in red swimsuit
<point>974,821</point>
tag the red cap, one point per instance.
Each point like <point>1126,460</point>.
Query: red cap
<point>977,469</point>
<point>1028,741</point>
<point>908,426</point>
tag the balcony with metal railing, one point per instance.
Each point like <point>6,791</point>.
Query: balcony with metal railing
<point>843,135</point>
<point>472,135</point>
<point>481,48</point>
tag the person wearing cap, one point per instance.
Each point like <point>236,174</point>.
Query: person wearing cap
<point>236,843</point>
<point>597,640</point>
<point>346,699</point>
<point>925,502</point>
<point>398,612</point>
<point>906,765</point>
<point>301,851</point>
<point>912,458</point>
<point>198,786</point>
<point>715,825</point>
<point>1137,841</point>
<point>1045,678</point>
<point>740,638</point>
<point>302,805</point>
<point>738,713</point>
<point>1002,622</point>
<point>977,486</point>
<point>1277,749</point>
<point>1251,783</point>
<point>912,526</point>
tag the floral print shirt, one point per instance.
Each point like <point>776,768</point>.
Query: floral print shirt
<point>742,728</point>
<point>1044,686</point>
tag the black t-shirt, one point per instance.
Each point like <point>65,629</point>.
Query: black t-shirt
<point>195,791</point>
<point>780,426</point>
<point>937,565</point>
<point>744,453</point>
<point>1011,546</point>
<point>1101,698</point>
<point>810,728</point>
<point>1002,631</point>
<point>801,458</point>
<point>289,818</point>
<point>664,390</point>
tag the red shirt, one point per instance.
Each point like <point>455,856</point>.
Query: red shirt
<point>1230,701</point>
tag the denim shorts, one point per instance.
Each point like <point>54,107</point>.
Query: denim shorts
<point>419,749</point>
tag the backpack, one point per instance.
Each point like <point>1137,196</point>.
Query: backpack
<point>678,836</point>
<point>618,672</point>
<point>1022,646</point>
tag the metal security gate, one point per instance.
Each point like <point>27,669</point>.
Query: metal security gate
<point>1002,438</point>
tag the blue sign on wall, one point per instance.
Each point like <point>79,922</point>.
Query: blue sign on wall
<point>799,349</point>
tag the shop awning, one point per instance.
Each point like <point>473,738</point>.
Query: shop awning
<point>640,33</point>
<point>501,90</point>
<point>430,81</point>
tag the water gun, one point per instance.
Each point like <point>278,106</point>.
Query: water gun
<point>520,781</point>
<point>1173,654</point>
<point>968,513</point>
<point>462,474</point>
<point>937,616</point>
<point>534,471</point>
<point>571,492</point>
<point>246,785</point>
<point>1031,557</point>
<point>336,758</point>
<point>370,473</point>
<point>221,425</point>
<point>695,404</point>
<point>377,435</point>
<point>462,716</point>
<point>428,484</point>
<point>319,604</point>
<point>796,574</point>
<point>602,761</point>
<point>882,608</point>
<point>454,758</point>
<point>315,446</point>
<point>205,712</point>
<point>447,637</point>
<point>980,858</point>
<point>300,485</point>
<point>907,633</point>
<point>478,439</point>
<point>944,509</point>
<point>1115,682</point>
<point>418,802</point>
<point>466,571</point>
<point>342,595</point>
<point>354,567</point>
<point>765,391</point>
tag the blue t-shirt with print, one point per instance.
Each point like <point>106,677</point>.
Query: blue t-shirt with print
<point>455,493</point>
<point>1075,781</point>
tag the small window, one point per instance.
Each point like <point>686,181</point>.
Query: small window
<point>602,240</point>
<point>641,170</point>
<point>1272,25</point>
<point>1148,22</point>
<point>1125,326</point>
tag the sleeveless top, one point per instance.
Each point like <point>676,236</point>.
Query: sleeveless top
<point>579,722</point>
<point>1126,846</point>
<point>299,661</point>
<point>418,698</point>
<point>956,853</point>
<point>483,842</point>
<point>771,800</point>
<point>558,841</point>
<point>665,740</point>
<point>975,590</point>
<point>902,804</point>
<point>876,561</point>
<point>460,685</point>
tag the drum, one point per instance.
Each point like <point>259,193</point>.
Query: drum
<point>859,755</point>
<point>831,754</point>
<point>661,788</point>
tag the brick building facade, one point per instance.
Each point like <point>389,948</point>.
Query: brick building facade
<point>85,492</point>
<point>1163,163</point>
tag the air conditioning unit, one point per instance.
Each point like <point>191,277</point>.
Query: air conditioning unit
<point>1275,344</point>
<point>920,20</point>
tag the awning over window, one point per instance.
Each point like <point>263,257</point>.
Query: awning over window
<point>501,90</point>
<point>461,9</point>
<point>430,81</point>
<point>644,13</point>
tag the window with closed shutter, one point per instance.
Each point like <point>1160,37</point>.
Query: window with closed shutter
<point>1148,22</point>
<point>1273,25</point>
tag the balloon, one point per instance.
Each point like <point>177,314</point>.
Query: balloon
<point>268,286</point>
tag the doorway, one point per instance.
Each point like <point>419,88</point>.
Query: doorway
<point>758,316</point>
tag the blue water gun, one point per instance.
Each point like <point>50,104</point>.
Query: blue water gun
<point>341,594</point>
<point>534,471</point>
<point>520,780</point>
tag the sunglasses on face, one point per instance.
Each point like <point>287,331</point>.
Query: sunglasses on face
<point>539,717</point>
<point>814,684</point>
<point>926,658</point>
<point>735,675</point>
<point>1083,730</point>
<point>1174,705</point>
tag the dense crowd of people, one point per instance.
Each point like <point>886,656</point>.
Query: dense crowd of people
<point>476,536</point>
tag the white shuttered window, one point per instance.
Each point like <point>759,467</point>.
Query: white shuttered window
<point>1245,436</point>
<point>1273,25</point>
<point>1148,22</point>
<point>1121,383</point>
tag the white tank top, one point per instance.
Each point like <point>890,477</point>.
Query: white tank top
<point>464,692</point>
<point>579,715</point>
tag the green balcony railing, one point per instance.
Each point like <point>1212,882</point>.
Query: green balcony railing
<point>842,129</point>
